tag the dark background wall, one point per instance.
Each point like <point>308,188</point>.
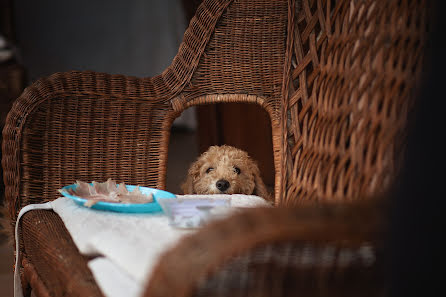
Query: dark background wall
<point>132,37</point>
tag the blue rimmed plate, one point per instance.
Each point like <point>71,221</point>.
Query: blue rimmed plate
<point>151,207</point>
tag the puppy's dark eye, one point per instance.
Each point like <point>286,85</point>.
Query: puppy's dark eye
<point>209,169</point>
<point>237,170</point>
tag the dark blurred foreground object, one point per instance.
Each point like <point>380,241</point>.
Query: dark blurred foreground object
<point>337,79</point>
<point>418,212</point>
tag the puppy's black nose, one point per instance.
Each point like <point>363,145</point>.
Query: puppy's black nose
<point>222,185</point>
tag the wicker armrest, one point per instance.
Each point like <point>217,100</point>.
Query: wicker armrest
<point>87,126</point>
<point>299,268</point>
<point>52,264</point>
<point>181,271</point>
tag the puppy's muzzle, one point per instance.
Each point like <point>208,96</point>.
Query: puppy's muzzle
<point>222,185</point>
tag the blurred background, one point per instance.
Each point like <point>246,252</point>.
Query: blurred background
<point>136,38</point>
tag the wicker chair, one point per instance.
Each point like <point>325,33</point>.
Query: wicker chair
<point>336,78</point>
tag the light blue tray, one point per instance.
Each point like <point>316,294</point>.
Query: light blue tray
<point>152,207</point>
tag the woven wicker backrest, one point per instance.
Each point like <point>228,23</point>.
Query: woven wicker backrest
<point>92,126</point>
<point>353,68</point>
<point>335,80</point>
<point>85,131</point>
<point>243,62</point>
<point>244,56</point>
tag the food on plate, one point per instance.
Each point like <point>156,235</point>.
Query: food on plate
<point>107,191</point>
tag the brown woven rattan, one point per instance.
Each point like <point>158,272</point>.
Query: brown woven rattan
<point>336,78</point>
<point>311,250</point>
<point>353,69</point>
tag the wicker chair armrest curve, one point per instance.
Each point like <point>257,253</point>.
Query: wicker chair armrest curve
<point>71,87</point>
<point>78,84</point>
<point>205,251</point>
<point>58,267</point>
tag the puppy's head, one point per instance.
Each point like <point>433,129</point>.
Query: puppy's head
<point>224,170</point>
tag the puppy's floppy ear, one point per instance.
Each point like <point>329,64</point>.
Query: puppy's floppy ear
<point>192,175</point>
<point>260,188</point>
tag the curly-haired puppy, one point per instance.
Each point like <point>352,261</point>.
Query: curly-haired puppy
<point>225,170</point>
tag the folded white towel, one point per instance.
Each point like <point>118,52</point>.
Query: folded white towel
<point>130,244</point>
<point>133,242</point>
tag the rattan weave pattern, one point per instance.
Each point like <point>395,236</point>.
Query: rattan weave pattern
<point>210,251</point>
<point>245,54</point>
<point>249,274</point>
<point>243,62</point>
<point>72,135</point>
<point>336,127</point>
<point>54,262</point>
<point>353,69</point>
<point>86,125</point>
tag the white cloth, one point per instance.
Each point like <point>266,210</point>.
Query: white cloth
<point>130,244</point>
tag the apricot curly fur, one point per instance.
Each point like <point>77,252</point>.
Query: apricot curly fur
<point>225,163</point>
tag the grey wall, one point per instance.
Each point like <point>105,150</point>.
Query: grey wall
<point>134,37</point>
